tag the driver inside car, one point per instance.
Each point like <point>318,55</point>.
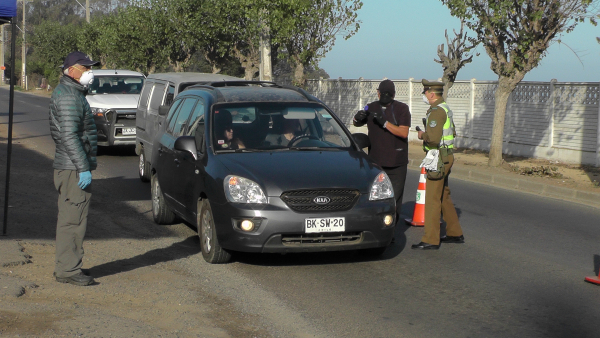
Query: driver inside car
<point>224,132</point>
<point>290,128</point>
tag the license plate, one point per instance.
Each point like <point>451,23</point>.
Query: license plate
<point>128,131</point>
<point>329,224</point>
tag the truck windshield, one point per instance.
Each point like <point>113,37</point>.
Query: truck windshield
<point>117,85</point>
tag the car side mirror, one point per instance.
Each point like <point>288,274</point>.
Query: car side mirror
<point>187,144</point>
<point>362,140</point>
<point>163,109</point>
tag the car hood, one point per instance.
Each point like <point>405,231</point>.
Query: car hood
<point>292,170</point>
<point>113,100</point>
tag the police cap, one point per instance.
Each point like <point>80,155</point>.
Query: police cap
<point>432,86</point>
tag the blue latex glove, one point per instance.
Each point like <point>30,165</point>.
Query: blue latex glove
<point>85,178</point>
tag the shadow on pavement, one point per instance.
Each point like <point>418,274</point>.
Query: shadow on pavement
<point>188,247</point>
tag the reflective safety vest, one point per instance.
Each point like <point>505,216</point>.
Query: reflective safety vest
<point>447,131</point>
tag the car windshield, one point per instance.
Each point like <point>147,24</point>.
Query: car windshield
<point>276,126</point>
<point>116,84</point>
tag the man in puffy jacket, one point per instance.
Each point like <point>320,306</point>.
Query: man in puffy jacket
<point>74,132</point>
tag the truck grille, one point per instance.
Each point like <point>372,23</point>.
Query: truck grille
<point>304,200</point>
<point>322,238</point>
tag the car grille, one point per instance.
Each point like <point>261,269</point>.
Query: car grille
<point>322,238</point>
<point>303,200</point>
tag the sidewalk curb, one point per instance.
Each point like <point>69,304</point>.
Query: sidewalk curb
<point>523,185</point>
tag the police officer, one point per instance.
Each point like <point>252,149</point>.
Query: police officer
<point>74,132</point>
<point>439,134</point>
<point>388,122</point>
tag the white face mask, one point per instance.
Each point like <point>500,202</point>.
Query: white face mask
<point>87,78</point>
<point>425,99</point>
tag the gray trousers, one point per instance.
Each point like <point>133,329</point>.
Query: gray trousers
<point>73,206</point>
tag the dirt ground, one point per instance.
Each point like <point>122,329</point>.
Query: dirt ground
<point>149,280</point>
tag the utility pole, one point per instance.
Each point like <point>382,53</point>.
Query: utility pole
<point>24,53</point>
<point>87,11</point>
<point>265,72</point>
<point>2,53</point>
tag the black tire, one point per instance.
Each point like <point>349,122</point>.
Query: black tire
<point>160,210</point>
<point>373,252</point>
<point>144,167</point>
<point>211,250</point>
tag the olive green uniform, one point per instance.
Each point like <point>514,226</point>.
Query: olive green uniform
<point>437,192</point>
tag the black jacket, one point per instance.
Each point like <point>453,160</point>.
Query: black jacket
<point>72,127</point>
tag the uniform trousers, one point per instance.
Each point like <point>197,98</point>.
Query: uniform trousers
<point>73,206</point>
<point>438,201</point>
<point>397,176</point>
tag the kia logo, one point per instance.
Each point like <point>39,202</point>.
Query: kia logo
<point>321,200</point>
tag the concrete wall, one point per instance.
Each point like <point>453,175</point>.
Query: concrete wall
<point>550,120</point>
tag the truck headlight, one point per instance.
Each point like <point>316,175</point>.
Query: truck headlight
<point>381,188</point>
<point>243,190</point>
<point>98,111</point>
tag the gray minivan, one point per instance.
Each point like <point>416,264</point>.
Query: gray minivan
<point>159,90</point>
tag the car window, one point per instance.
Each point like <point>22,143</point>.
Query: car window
<point>170,94</point>
<point>157,96</point>
<point>282,126</point>
<point>173,109</point>
<point>179,119</point>
<point>243,115</point>
<point>145,94</point>
<point>197,119</point>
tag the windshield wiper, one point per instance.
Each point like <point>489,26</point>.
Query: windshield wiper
<point>311,148</point>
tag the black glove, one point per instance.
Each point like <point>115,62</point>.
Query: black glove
<point>379,118</point>
<point>361,116</point>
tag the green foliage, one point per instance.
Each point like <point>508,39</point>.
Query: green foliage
<point>307,29</point>
<point>51,42</point>
<point>517,33</point>
<point>179,35</point>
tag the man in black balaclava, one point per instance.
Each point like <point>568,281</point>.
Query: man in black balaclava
<point>388,122</point>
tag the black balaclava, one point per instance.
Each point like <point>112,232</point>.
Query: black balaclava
<point>387,91</point>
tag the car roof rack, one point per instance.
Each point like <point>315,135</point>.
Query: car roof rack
<point>219,84</point>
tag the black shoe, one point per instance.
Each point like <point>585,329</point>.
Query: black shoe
<point>425,246</point>
<point>79,279</point>
<point>83,271</point>
<point>453,239</point>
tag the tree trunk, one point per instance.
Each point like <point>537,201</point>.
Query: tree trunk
<point>299,74</point>
<point>249,73</point>
<point>506,86</point>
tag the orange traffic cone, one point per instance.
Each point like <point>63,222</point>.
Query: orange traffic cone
<point>419,212</point>
<point>595,280</point>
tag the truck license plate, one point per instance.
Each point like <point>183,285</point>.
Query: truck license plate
<point>128,131</point>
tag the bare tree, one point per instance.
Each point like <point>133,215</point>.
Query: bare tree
<point>459,54</point>
<point>516,35</point>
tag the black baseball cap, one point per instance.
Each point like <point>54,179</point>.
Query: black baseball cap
<point>387,86</point>
<point>75,58</point>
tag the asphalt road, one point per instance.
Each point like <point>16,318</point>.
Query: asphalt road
<point>519,274</point>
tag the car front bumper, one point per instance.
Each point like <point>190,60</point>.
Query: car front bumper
<point>282,230</point>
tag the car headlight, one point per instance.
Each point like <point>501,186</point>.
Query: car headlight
<point>381,188</point>
<point>243,190</point>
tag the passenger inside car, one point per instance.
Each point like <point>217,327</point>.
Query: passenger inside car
<point>283,131</point>
<point>224,135</point>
